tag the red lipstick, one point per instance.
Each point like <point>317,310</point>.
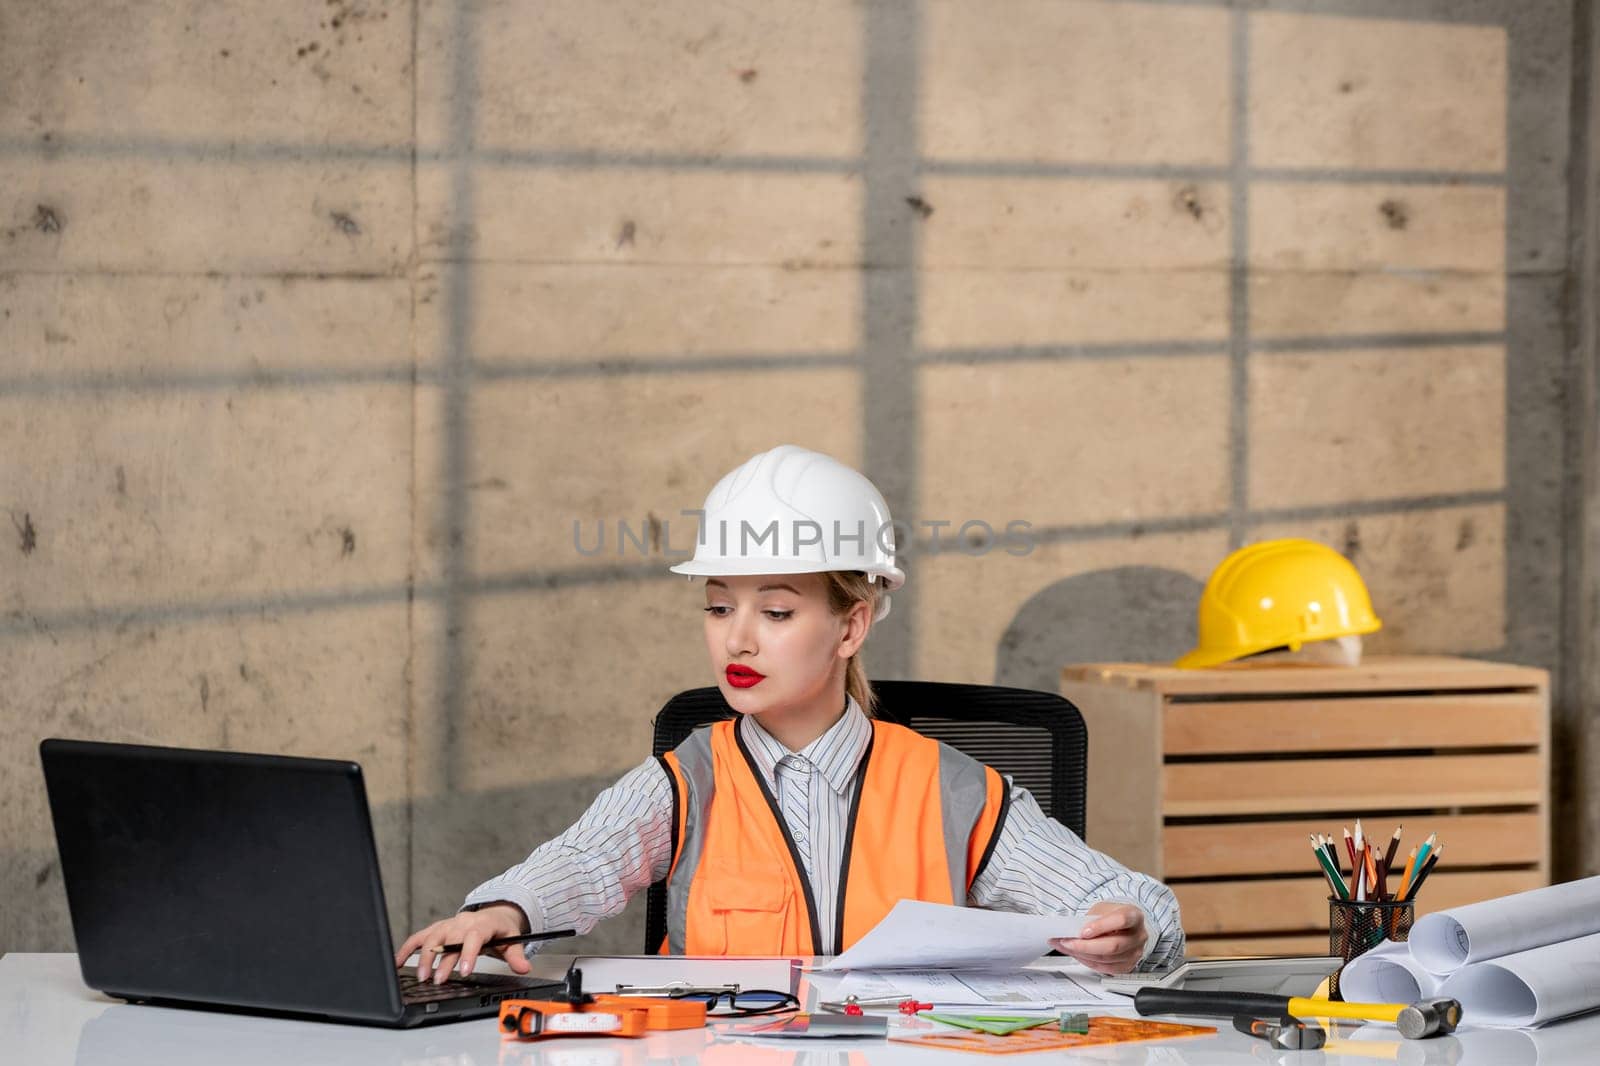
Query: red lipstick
<point>742,676</point>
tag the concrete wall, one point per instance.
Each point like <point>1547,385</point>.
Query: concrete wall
<point>321,323</point>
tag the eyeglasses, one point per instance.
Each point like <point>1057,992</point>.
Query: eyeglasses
<point>747,1003</point>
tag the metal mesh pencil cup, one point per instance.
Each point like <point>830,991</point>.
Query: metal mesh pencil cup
<point>1355,928</point>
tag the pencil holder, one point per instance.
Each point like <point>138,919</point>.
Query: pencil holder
<point>1356,928</point>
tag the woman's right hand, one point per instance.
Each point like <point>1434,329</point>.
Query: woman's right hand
<point>470,929</point>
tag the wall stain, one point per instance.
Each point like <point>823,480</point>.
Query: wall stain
<point>205,694</point>
<point>694,45</point>
<point>1352,540</point>
<point>1395,213</point>
<point>47,219</point>
<point>1466,534</point>
<point>1188,199</point>
<point>26,532</point>
<point>920,206</point>
<point>347,542</point>
<point>346,224</point>
<point>625,233</point>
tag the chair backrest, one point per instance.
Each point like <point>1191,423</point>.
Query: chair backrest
<point>1037,739</point>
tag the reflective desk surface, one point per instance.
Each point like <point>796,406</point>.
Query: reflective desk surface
<point>48,1018</point>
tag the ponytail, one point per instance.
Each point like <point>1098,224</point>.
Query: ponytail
<point>858,687</point>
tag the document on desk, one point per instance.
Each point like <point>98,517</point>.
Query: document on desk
<point>1026,990</point>
<point>917,935</point>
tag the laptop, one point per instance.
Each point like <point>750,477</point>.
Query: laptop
<point>238,882</point>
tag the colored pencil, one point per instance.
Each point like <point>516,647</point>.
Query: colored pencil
<point>1335,881</point>
<point>1394,845</point>
<point>1329,852</point>
<point>1364,850</point>
<point>1423,869</point>
<point>1422,874</point>
<point>1350,849</point>
<point>1405,878</point>
<point>1423,850</point>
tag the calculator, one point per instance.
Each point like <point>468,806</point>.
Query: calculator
<point>1295,975</point>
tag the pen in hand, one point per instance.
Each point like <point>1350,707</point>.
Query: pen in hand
<point>506,941</point>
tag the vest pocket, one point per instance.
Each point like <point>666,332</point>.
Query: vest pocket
<point>749,909</point>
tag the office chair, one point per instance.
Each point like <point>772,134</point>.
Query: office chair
<point>1038,739</point>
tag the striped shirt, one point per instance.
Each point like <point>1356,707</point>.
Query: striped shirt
<point>623,843</point>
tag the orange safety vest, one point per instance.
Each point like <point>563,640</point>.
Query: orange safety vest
<point>922,825</point>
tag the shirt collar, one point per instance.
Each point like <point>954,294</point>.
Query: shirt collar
<point>835,754</point>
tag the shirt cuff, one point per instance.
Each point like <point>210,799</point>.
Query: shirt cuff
<point>518,896</point>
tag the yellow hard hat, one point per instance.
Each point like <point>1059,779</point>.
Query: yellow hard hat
<point>1279,594</point>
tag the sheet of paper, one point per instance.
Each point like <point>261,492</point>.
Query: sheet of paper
<point>916,935</point>
<point>1018,990</point>
<point>871,985</point>
<point>1449,939</point>
<point>1039,988</point>
<point>604,974</point>
<point>1529,988</point>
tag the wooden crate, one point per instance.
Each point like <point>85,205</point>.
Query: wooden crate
<point>1212,779</point>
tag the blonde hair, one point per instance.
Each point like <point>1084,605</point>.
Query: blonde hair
<point>846,588</point>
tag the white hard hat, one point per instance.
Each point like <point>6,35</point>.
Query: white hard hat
<point>795,511</point>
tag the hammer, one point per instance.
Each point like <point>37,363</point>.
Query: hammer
<point>1287,1033</point>
<point>1428,1017</point>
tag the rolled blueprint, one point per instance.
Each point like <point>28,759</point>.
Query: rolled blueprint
<point>1529,988</point>
<point>1387,974</point>
<point>1450,939</point>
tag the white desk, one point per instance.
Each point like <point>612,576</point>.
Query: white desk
<point>48,1018</point>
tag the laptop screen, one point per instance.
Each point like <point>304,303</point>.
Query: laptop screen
<point>223,878</point>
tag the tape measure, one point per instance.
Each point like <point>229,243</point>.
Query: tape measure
<point>531,1019</point>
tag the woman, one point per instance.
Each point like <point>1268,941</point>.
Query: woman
<point>793,828</point>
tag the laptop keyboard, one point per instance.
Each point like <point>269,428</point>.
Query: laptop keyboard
<point>415,991</point>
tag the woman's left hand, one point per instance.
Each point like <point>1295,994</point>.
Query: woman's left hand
<point>1112,941</point>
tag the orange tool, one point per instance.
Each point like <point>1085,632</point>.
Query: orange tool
<point>660,1012</point>
<point>603,1015</point>
<point>535,1019</point>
